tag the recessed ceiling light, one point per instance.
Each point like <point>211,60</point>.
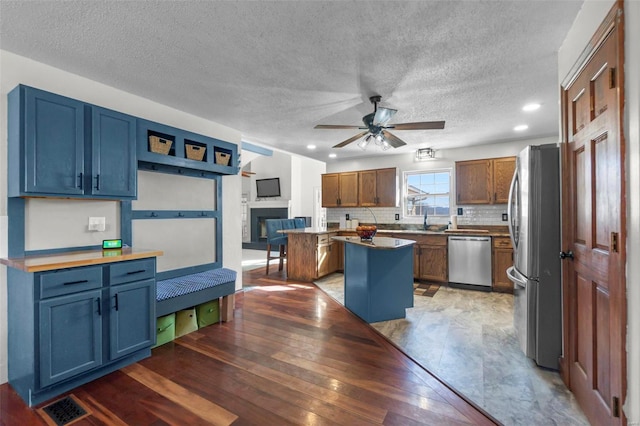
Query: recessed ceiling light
<point>332,155</point>
<point>521,127</point>
<point>311,146</point>
<point>531,107</point>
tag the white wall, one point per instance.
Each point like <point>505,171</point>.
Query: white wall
<point>298,176</point>
<point>587,22</point>
<point>445,159</point>
<point>19,70</point>
<point>305,176</point>
<point>278,165</point>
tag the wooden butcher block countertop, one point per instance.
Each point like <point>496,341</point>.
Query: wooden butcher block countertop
<point>79,258</point>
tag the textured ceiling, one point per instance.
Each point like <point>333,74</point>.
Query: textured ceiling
<point>275,69</point>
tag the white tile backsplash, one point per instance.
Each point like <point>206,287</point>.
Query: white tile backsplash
<point>472,215</point>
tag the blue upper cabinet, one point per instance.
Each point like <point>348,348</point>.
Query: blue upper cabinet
<point>161,145</point>
<point>46,143</point>
<point>113,154</point>
<point>63,147</point>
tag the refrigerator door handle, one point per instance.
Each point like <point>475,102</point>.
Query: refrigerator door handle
<point>515,277</point>
<point>514,180</point>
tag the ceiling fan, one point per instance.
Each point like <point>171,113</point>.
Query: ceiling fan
<point>376,124</point>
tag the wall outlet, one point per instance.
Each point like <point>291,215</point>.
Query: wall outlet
<point>347,216</point>
<point>397,216</point>
<point>97,224</point>
<point>504,217</point>
<point>459,211</point>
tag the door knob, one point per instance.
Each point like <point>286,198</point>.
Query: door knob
<point>568,254</point>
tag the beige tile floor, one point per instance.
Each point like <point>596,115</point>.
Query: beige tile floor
<point>467,339</point>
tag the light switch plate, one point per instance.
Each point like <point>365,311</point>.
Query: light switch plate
<point>97,224</point>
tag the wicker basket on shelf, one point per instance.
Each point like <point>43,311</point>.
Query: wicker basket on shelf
<point>195,152</point>
<point>222,158</point>
<point>159,145</point>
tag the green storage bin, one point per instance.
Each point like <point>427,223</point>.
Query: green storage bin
<point>208,313</point>
<point>165,329</point>
<point>186,322</point>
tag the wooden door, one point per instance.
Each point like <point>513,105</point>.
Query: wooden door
<point>503,169</point>
<point>349,189</point>
<point>474,182</point>
<point>386,187</point>
<point>593,281</point>
<point>367,188</point>
<point>330,190</point>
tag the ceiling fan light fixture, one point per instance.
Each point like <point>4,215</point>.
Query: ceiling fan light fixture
<point>364,143</point>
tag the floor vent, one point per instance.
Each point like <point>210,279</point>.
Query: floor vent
<point>64,411</point>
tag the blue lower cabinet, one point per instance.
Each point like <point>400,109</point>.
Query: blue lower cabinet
<point>70,326</point>
<point>70,336</point>
<point>132,305</point>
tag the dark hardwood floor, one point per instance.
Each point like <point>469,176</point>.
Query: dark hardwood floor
<point>292,355</point>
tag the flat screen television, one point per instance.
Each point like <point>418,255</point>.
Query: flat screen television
<point>268,187</point>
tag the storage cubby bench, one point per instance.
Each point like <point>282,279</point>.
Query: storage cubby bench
<point>175,294</point>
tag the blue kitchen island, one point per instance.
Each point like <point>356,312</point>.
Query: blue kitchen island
<point>378,277</point>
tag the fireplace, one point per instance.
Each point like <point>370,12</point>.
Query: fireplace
<point>258,216</point>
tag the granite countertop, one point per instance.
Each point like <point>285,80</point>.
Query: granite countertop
<point>320,231</point>
<point>377,243</point>
<point>78,258</point>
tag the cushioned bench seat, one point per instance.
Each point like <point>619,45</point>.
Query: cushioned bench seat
<point>183,292</point>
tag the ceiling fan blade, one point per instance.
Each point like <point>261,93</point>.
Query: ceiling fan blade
<point>422,125</point>
<point>393,140</point>
<point>336,126</point>
<point>348,141</point>
<point>383,115</point>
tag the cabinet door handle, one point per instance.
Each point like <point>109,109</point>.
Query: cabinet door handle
<point>80,178</point>
<point>136,272</point>
<point>495,196</point>
<point>76,282</point>
<point>98,182</point>
<point>99,307</point>
<point>116,297</point>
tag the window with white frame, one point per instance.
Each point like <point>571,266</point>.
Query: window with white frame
<point>427,191</point>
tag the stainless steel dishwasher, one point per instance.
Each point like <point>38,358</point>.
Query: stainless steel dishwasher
<point>470,260</point>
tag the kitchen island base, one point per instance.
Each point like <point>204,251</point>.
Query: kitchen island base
<point>378,278</point>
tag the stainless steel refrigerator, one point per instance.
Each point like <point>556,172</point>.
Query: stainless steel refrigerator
<point>534,225</point>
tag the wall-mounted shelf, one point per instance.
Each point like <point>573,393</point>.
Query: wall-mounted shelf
<point>185,149</point>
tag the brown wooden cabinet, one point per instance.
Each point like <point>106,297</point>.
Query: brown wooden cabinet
<point>311,256</point>
<point>503,169</point>
<point>366,188</point>
<point>340,189</point>
<point>484,181</point>
<point>502,259</point>
<point>433,259</point>
<point>430,256</point>
<point>378,188</point>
